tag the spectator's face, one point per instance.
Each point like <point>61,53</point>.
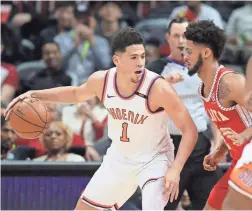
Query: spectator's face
<point>52,56</point>
<point>176,38</point>
<point>65,17</point>
<point>131,62</point>
<point>110,12</point>
<point>152,53</point>
<point>54,138</point>
<point>8,136</point>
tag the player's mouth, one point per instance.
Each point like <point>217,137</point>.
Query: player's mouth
<point>139,72</point>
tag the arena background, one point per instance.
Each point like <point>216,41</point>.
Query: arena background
<point>26,27</point>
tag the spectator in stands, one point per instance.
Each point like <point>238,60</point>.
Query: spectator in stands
<point>152,50</point>
<point>8,140</point>
<point>83,51</point>
<point>196,10</point>
<point>64,21</point>
<point>9,81</point>
<point>239,32</point>
<point>57,139</point>
<point>197,181</point>
<point>110,23</point>
<point>10,45</point>
<point>88,119</point>
<point>52,75</point>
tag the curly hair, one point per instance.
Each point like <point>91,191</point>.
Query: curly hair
<point>207,33</point>
<point>126,37</point>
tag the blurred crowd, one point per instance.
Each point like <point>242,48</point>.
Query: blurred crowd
<point>61,43</point>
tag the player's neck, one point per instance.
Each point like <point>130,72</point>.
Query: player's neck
<point>208,72</point>
<point>125,85</point>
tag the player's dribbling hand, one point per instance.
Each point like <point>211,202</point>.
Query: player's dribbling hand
<point>171,189</point>
<point>238,139</point>
<point>14,101</point>
<point>174,77</point>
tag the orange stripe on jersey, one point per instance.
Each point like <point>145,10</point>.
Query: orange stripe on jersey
<point>147,105</point>
<point>242,177</point>
<point>105,84</point>
<point>96,204</point>
<point>134,93</point>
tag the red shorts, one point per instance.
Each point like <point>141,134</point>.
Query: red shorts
<point>219,191</point>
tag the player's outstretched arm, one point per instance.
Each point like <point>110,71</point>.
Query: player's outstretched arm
<point>68,94</point>
<point>234,88</point>
<point>166,97</point>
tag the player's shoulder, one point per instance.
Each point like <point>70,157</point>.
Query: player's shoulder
<point>232,80</point>
<point>98,75</point>
<point>158,83</point>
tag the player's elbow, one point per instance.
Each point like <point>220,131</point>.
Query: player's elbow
<point>190,131</point>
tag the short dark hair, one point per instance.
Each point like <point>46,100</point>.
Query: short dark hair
<point>51,42</point>
<point>176,20</point>
<point>126,37</point>
<point>207,33</point>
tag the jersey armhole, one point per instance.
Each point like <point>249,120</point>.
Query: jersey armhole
<point>105,84</point>
<point>147,105</point>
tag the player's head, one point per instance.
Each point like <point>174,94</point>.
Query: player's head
<point>175,35</point>
<point>204,43</point>
<point>129,53</point>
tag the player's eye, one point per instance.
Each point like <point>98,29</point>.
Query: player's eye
<point>133,57</point>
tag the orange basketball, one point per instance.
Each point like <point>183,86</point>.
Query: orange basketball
<point>29,118</point>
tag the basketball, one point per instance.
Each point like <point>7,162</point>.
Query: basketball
<point>29,118</point>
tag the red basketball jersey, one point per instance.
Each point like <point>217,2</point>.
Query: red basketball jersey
<point>236,117</point>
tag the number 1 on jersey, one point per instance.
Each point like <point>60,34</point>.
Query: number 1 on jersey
<point>124,137</point>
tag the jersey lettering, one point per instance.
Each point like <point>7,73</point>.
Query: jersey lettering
<point>123,114</point>
<point>217,116</point>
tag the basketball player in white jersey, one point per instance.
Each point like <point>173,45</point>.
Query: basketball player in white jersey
<point>139,103</point>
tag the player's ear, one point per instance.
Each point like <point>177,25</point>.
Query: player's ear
<point>115,59</point>
<point>167,36</point>
<point>207,52</point>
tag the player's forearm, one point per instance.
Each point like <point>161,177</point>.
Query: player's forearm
<point>221,148</point>
<point>186,146</point>
<point>62,95</point>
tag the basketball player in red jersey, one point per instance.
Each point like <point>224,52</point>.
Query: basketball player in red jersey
<point>139,103</point>
<point>222,91</point>
<point>241,176</point>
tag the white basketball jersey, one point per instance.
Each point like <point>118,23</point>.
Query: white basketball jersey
<point>137,133</point>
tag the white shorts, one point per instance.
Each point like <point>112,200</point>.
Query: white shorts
<point>241,176</point>
<point>116,181</point>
